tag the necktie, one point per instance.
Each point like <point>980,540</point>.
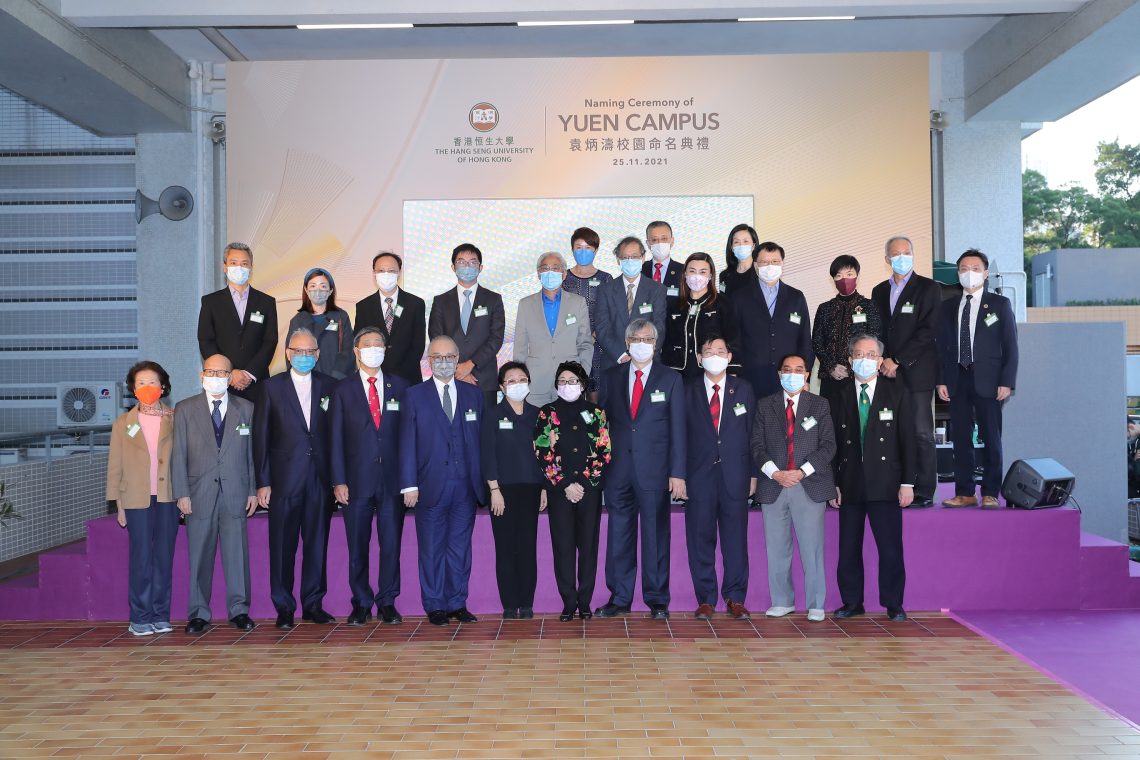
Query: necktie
<point>374,402</point>
<point>714,407</point>
<point>389,315</point>
<point>635,397</point>
<point>864,410</point>
<point>448,409</point>
<point>790,413</point>
<point>217,419</point>
<point>629,298</point>
<point>657,272</point>
<point>965,349</point>
<point>465,312</point>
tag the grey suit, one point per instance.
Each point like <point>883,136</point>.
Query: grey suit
<point>484,336</point>
<point>542,352</point>
<point>218,480</point>
<point>613,316</point>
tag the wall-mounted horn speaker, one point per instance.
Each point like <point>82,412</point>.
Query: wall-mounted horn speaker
<point>175,204</point>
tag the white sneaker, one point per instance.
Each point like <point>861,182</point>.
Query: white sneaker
<point>816,616</point>
<point>779,611</point>
<point>141,629</point>
<point>163,627</point>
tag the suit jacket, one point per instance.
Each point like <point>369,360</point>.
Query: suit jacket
<point>764,339</point>
<point>728,446</point>
<point>994,349</point>
<point>613,318</point>
<point>673,274</point>
<point>360,456</point>
<point>886,460</point>
<point>911,332</point>
<point>336,359</point>
<point>542,353</point>
<point>814,443</point>
<point>248,343</point>
<point>128,463</point>
<point>484,335</point>
<point>650,449</point>
<point>286,453</point>
<point>405,345</point>
<point>686,331</point>
<point>425,446</point>
<point>201,470</point>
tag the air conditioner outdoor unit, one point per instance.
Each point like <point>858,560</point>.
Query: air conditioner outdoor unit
<point>86,404</point>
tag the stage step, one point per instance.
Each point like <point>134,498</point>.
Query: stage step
<point>1107,578</point>
<point>59,589</point>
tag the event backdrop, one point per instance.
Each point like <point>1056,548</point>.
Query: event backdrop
<point>329,162</point>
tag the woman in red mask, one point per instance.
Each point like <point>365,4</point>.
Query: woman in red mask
<point>849,313</point>
<point>138,481</point>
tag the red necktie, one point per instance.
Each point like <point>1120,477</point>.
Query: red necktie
<point>791,414</point>
<point>657,273</point>
<point>374,402</point>
<point>714,407</point>
<point>635,397</point>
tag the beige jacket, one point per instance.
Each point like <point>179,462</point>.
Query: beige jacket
<point>128,467</point>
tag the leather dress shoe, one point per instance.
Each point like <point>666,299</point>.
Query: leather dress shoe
<point>567,615</point>
<point>849,610</point>
<point>510,614</point>
<point>285,621</point>
<point>990,502</point>
<point>704,612</point>
<point>359,615</point>
<point>196,625</point>
<point>526,613</point>
<point>390,615</point>
<point>737,610</point>
<point>437,617</point>
<point>921,502</point>
<point>463,616</point>
<point>961,501</point>
<point>609,610</point>
<point>242,622</point>
<point>318,616</point>
<point>584,612</point>
<point>896,614</point>
<point>658,612</point>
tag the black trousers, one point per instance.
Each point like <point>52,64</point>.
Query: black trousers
<point>388,512</point>
<point>966,408</point>
<point>574,533</point>
<point>926,456</point>
<point>708,512</point>
<point>886,525</point>
<point>302,516</point>
<point>516,537</point>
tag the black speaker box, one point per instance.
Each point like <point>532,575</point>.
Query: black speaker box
<point>1037,484</point>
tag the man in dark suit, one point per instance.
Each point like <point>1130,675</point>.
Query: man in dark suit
<point>908,304</point>
<point>874,474</point>
<point>474,318</point>
<point>364,430</point>
<point>624,299</point>
<point>240,323</point>
<point>400,317</point>
<point>977,345</point>
<point>441,475</point>
<point>290,460</point>
<point>774,322</point>
<point>719,410</point>
<point>661,268</point>
<point>644,402</point>
<point>793,445</point>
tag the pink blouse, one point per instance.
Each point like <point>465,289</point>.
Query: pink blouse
<point>151,425</point>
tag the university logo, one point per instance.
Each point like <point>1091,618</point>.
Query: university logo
<point>483,117</point>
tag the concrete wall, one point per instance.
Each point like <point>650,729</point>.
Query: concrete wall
<point>1087,274</point>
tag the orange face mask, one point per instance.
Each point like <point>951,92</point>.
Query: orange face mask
<point>148,394</point>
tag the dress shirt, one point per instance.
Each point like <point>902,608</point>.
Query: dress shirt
<point>461,289</point>
<point>383,300</point>
<point>225,399</point>
<point>241,298</point>
<point>550,307</point>
<point>897,289</point>
<point>644,378</point>
<point>625,283</point>
<point>379,385</point>
<point>975,307</point>
<point>303,384</point>
<point>709,391</point>
<point>770,467</point>
<point>770,292</point>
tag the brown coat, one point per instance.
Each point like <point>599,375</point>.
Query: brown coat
<point>128,466</point>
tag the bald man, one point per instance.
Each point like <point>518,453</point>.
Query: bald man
<point>441,476</point>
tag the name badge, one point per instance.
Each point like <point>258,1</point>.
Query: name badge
<point>587,416</point>
<point>257,317</point>
<point>645,308</point>
<point>808,423</point>
<point>991,319</point>
<point>133,430</point>
<point>480,311</point>
<point>595,283</point>
<point>657,396</point>
<point>721,288</point>
<point>243,429</point>
<point>907,308</point>
<point>332,326</point>
<point>794,318</point>
<point>505,424</point>
<point>672,291</point>
<point>572,319</point>
<point>739,409</point>
<point>324,403</point>
<point>469,415</point>
<point>886,415</point>
<point>694,309</point>
<point>398,310</point>
<point>392,406</point>
<point>858,318</point>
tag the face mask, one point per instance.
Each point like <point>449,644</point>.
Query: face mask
<point>570,392</point>
<point>467,274</point>
<point>372,356</point>
<point>641,352</point>
<point>631,267</point>
<point>845,286</point>
<point>444,369</point>
<point>237,275</point>
<point>714,365</point>
<point>792,382</point>
<point>970,280</point>
<point>770,272</point>
<point>660,251</point>
<point>304,364</point>
<point>319,297</point>
<point>148,394</point>
<point>696,281</point>
<point>864,368</point>
<point>584,256</point>
<point>551,280</point>
<point>902,264</point>
<point>215,386</point>
<point>518,391</point>
<point>742,252</point>
<point>386,280</point>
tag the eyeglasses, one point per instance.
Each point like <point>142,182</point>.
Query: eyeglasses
<point>444,357</point>
<point>562,383</point>
<point>216,372</point>
<point>650,341</point>
<point>524,381</point>
<point>716,352</point>
<point>638,257</point>
<point>560,270</point>
<point>862,355</point>
<point>304,351</point>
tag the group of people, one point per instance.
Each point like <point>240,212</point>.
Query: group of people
<point>664,384</point>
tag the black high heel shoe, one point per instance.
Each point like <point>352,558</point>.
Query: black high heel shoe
<point>567,615</point>
<point>584,612</point>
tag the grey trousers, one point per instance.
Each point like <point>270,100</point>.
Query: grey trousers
<point>793,508</point>
<point>207,526</point>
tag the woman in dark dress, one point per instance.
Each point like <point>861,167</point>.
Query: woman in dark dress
<point>849,313</point>
<point>584,279</point>
<point>698,314</point>
<point>320,315</point>
<point>517,495</point>
<point>572,443</point>
<point>740,258</point>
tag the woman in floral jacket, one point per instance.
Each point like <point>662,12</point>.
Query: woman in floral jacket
<point>572,443</point>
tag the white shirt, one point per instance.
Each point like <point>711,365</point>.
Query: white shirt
<point>975,307</point>
<point>384,300</point>
<point>633,377</point>
<point>303,384</point>
<point>225,399</point>
<point>709,392</point>
<point>460,290</point>
<point>625,283</point>
<point>770,467</point>
<point>364,377</point>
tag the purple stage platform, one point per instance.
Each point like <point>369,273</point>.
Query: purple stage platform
<point>956,559</point>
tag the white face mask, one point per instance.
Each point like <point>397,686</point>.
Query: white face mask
<point>971,279</point>
<point>215,386</point>
<point>770,272</point>
<point>570,393</point>
<point>696,281</point>
<point>372,356</point>
<point>640,352</point>
<point>237,275</point>
<point>660,251</point>
<point>518,391</point>
<point>386,280</point>
<point>714,365</point>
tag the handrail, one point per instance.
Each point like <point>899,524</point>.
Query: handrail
<point>56,433</point>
